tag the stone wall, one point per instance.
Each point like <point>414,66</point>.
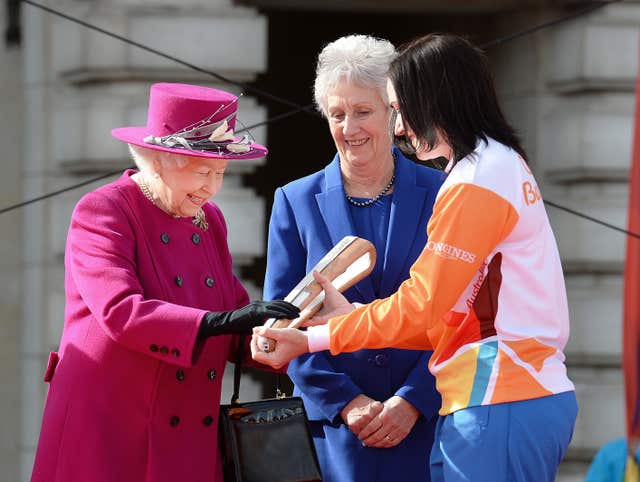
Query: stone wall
<point>571,89</point>
<point>11,251</point>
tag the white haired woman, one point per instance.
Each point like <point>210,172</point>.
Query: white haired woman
<point>371,411</point>
<point>152,307</point>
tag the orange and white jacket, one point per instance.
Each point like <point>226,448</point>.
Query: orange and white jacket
<point>487,293</point>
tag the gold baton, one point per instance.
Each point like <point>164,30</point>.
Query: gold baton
<point>349,261</point>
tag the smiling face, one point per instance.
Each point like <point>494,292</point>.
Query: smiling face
<point>358,121</point>
<point>183,189</point>
<point>400,128</point>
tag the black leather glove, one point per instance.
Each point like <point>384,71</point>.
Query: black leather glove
<point>242,320</point>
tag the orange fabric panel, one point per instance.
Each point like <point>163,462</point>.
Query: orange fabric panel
<point>531,351</point>
<point>467,332</point>
<point>514,382</point>
<point>454,318</point>
<point>468,222</point>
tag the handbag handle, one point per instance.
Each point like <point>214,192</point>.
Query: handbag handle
<point>237,373</point>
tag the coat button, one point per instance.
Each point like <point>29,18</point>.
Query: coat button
<point>174,421</point>
<point>212,374</point>
<point>153,348</point>
<point>178,280</point>
<point>180,375</point>
<point>208,420</point>
<point>175,352</point>
<point>164,237</point>
<point>382,360</point>
<point>195,237</point>
<point>209,282</point>
<point>164,350</point>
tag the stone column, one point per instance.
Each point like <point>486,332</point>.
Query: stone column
<point>11,249</point>
<point>571,90</point>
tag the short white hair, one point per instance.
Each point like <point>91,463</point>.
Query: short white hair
<point>359,59</point>
<point>144,157</point>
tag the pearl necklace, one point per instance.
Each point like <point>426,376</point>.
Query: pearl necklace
<point>369,202</point>
<point>199,220</point>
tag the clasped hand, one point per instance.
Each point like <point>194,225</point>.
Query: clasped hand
<point>380,424</point>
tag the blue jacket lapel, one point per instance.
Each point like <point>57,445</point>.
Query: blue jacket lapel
<point>407,204</point>
<point>333,207</point>
<point>333,204</point>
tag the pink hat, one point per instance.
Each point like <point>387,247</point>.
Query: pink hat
<point>192,121</point>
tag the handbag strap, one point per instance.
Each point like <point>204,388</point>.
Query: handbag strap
<point>237,373</point>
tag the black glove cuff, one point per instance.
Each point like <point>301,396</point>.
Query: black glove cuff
<point>213,323</point>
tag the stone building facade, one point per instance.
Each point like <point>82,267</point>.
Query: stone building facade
<point>569,89</point>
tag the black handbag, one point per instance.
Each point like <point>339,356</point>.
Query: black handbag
<point>266,440</point>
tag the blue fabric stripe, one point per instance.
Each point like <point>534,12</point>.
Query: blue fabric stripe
<point>484,364</point>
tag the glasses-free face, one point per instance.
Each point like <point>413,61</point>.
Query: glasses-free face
<point>184,189</point>
<point>358,120</point>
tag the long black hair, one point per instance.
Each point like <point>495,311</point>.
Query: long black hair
<point>443,84</point>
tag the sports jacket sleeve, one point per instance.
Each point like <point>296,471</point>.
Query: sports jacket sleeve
<point>468,222</point>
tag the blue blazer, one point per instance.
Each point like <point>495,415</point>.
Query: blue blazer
<point>309,216</point>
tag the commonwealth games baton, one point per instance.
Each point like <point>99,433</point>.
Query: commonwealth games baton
<point>348,262</point>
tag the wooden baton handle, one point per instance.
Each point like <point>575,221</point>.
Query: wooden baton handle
<point>351,252</point>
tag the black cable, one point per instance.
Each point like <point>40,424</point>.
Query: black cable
<point>591,218</point>
<point>245,87</point>
<point>550,23</point>
<point>59,191</point>
<point>119,171</point>
<point>298,108</point>
<point>114,173</point>
<point>269,121</point>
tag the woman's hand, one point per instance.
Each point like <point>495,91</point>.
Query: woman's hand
<point>335,304</point>
<point>359,412</point>
<point>392,425</point>
<point>290,343</point>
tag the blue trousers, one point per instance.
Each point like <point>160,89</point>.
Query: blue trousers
<point>508,442</point>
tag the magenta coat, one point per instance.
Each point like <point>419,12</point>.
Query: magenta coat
<point>133,395</point>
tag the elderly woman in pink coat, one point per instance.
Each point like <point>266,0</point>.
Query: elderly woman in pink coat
<point>152,306</point>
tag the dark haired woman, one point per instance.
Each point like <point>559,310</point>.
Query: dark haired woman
<point>487,293</point>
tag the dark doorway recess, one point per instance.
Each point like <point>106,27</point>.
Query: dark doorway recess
<point>301,144</point>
